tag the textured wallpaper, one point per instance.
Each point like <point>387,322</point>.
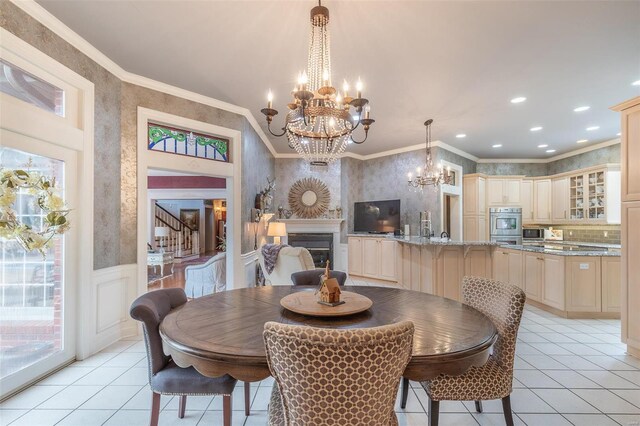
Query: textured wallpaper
<point>257,165</point>
<point>609,154</point>
<point>350,192</point>
<point>106,230</point>
<point>115,120</point>
<point>289,170</point>
<point>257,161</point>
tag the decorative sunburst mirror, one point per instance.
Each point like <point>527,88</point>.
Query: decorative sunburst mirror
<point>309,198</point>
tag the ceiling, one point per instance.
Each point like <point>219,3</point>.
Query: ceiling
<point>459,63</point>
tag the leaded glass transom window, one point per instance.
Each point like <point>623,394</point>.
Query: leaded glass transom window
<point>185,142</point>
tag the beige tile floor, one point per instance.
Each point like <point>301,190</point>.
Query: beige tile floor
<point>567,372</point>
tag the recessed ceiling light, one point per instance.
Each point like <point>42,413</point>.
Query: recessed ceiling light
<point>535,129</point>
<point>461,135</point>
<point>636,83</point>
<point>582,141</point>
<point>582,108</point>
<point>591,128</point>
<point>550,151</point>
<point>618,134</point>
<point>518,100</point>
<point>544,145</point>
<point>497,145</point>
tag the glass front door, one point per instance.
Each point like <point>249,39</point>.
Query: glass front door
<point>36,288</point>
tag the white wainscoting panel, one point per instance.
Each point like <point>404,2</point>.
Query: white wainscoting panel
<point>249,262</point>
<point>113,290</point>
<point>341,257</point>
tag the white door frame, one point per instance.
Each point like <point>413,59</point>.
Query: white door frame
<point>74,132</point>
<point>454,191</point>
<point>176,163</point>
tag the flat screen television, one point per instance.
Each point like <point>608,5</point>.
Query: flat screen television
<point>376,217</point>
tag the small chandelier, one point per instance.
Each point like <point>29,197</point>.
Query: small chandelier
<point>428,175</point>
<point>320,123</point>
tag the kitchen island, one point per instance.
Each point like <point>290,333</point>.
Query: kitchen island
<point>570,279</point>
<point>573,280</point>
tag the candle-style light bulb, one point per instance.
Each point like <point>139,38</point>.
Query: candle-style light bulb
<point>359,88</point>
<point>367,111</point>
<point>269,99</point>
<point>325,77</point>
<point>409,175</point>
<point>339,100</point>
<point>418,170</point>
<point>304,79</point>
<point>345,88</point>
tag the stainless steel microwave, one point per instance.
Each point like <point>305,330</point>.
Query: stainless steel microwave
<point>533,233</point>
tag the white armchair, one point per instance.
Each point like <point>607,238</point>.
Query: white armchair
<point>206,278</point>
<point>290,260</point>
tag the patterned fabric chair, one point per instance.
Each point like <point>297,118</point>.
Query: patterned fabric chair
<point>503,303</point>
<point>206,278</point>
<point>165,377</point>
<point>312,277</point>
<point>327,377</point>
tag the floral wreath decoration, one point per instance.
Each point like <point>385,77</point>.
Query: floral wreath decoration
<point>43,189</point>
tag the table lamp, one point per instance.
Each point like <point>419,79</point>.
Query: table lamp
<point>277,230</point>
<point>162,232</point>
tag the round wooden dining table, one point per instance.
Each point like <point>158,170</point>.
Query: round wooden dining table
<point>222,333</point>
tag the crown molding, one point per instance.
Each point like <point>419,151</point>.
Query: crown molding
<point>554,158</point>
<point>58,27</point>
<point>62,30</point>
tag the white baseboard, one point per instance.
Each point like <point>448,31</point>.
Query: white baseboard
<point>106,312</point>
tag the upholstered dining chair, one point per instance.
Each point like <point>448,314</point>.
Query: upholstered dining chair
<point>503,304</point>
<point>290,260</point>
<point>312,277</point>
<point>165,377</point>
<point>326,377</point>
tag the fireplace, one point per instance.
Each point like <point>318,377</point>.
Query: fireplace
<point>319,245</point>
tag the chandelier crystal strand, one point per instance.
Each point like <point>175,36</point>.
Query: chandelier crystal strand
<point>428,175</point>
<point>320,123</point>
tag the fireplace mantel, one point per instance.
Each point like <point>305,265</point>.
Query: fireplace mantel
<point>318,226</point>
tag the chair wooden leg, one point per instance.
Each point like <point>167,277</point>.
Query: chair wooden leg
<point>405,392</point>
<point>506,407</point>
<point>434,412</point>
<point>479,406</point>
<point>182,407</point>
<point>226,410</point>
<point>155,409</point>
<point>247,398</point>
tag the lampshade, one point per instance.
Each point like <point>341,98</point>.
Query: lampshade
<point>277,229</point>
<point>162,231</point>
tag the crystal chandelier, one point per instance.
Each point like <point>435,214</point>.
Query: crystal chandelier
<point>320,123</point>
<point>428,175</point>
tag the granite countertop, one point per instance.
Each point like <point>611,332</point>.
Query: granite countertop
<point>581,244</point>
<point>608,252</point>
<point>420,241</point>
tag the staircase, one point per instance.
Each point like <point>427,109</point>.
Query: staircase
<point>182,241</point>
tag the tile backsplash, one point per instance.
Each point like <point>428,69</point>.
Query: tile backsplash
<point>591,233</point>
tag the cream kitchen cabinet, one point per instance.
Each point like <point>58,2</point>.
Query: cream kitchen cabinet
<point>553,289</point>
<point>611,284</point>
<point>542,200</point>
<point>373,257</point>
<point>583,282</point>
<point>355,255</point>
<point>630,180</point>
<point>503,192</point>
<point>526,194</point>
<point>507,266</point>
<point>533,275</point>
<point>473,193</point>
<point>475,228</point>
<point>560,199</point>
